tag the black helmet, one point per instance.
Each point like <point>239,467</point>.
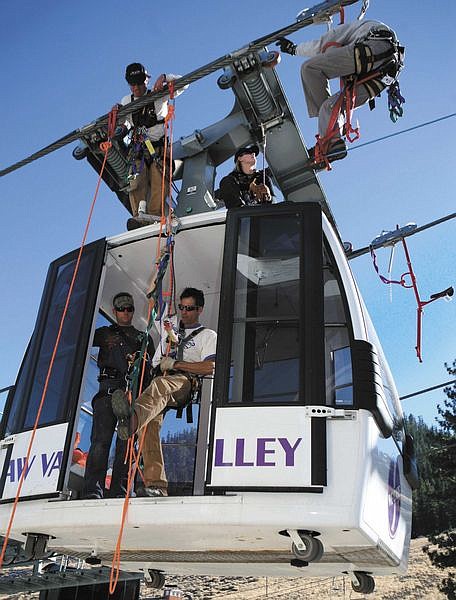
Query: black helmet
<point>135,74</point>
<point>246,150</point>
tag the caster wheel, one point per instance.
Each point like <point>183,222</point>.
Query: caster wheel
<point>271,59</point>
<point>365,585</point>
<point>313,550</point>
<point>157,579</point>
<point>226,81</point>
<point>80,152</point>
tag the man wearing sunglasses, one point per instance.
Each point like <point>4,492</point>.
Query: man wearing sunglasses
<point>116,343</point>
<point>186,351</point>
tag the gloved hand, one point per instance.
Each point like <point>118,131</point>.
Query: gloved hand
<point>286,46</point>
<point>160,82</point>
<point>120,132</point>
<point>260,192</point>
<point>166,364</point>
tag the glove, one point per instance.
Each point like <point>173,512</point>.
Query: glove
<point>159,84</point>
<point>166,364</point>
<point>286,46</point>
<point>260,192</point>
<point>120,132</point>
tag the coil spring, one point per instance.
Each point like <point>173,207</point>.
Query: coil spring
<point>259,94</point>
<point>117,162</point>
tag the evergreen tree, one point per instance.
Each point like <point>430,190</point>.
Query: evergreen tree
<point>427,517</point>
<point>443,554</point>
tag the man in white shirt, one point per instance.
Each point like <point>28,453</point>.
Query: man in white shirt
<point>147,131</point>
<point>182,355</point>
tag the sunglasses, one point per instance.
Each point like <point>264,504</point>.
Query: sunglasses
<point>125,308</point>
<point>187,308</point>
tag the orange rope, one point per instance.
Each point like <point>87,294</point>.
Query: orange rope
<point>165,220</point>
<point>51,363</point>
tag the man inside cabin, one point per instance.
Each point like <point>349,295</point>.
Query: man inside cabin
<point>117,343</point>
<point>186,354</point>
<point>146,127</point>
<point>362,50</point>
<point>245,186</point>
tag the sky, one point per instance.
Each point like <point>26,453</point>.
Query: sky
<point>63,65</point>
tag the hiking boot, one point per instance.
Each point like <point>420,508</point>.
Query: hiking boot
<point>142,220</point>
<point>151,492</point>
<point>92,496</point>
<point>123,411</point>
<point>336,151</point>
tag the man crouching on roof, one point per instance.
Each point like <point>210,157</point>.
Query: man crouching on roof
<point>186,353</point>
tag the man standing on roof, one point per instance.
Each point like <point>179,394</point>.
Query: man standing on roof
<point>245,186</point>
<point>351,50</point>
<point>186,353</point>
<point>147,131</point>
<point>117,343</point>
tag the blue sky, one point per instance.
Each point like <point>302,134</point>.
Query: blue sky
<point>64,64</point>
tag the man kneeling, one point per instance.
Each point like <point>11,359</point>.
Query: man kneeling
<point>191,352</point>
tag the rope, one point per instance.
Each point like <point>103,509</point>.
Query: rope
<point>54,353</point>
<point>402,282</point>
<point>162,261</point>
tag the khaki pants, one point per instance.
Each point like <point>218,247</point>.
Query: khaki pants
<point>318,70</point>
<point>147,186</point>
<point>169,390</point>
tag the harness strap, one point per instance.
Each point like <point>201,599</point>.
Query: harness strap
<point>180,348</point>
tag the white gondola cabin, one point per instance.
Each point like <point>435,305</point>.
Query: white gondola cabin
<point>296,462</point>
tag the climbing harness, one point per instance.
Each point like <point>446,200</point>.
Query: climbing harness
<point>408,280</point>
<point>374,82</point>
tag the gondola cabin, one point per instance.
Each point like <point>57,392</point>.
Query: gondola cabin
<point>296,462</point>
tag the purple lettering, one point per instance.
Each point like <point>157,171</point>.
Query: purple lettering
<point>56,462</point>
<point>11,471</point>
<point>21,464</point>
<point>240,453</point>
<point>289,450</point>
<point>262,451</point>
<point>45,462</point>
<point>219,446</point>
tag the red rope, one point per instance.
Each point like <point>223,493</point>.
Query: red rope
<point>420,304</point>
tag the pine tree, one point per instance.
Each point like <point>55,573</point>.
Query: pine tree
<point>443,554</point>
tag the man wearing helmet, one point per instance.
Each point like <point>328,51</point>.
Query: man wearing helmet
<point>147,135</point>
<point>245,186</point>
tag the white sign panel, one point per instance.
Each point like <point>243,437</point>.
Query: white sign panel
<point>261,447</point>
<point>44,464</point>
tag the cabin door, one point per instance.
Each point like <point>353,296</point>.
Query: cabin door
<point>52,445</point>
<point>270,354</point>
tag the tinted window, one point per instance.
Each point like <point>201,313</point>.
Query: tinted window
<point>265,342</point>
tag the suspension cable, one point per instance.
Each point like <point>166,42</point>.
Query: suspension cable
<point>200,73</point>
<point>430,389</point>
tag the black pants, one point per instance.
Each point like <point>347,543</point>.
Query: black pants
<point>103,427</point>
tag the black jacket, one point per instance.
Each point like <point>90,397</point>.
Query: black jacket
<point>234,188</point>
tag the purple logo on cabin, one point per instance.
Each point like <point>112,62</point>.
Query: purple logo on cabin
<point>394,497</point>
<point>260,452</point>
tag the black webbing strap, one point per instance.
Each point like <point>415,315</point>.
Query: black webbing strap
<point>180,348</point>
